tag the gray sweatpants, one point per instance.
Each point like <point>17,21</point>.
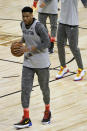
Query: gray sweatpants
<point>42,17</point>
<point>71,33</point>
<point>27,84</point>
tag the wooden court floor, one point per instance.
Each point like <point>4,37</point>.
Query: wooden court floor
<point>68,98</point>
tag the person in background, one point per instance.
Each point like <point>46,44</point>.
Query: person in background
<point>36,60</point>
<point>68,29</point>
<point>48,8</point>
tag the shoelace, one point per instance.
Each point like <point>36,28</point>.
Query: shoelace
<point>78,74</point>
<point>61,69</point>
<point>46,114</point>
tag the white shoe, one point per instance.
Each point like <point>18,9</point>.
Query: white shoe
<point>79,76</point>
<point>62,72</point>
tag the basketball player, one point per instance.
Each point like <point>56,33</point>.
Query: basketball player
<point>36,60</point>
<point>68,29</point>
<point>48,8</point>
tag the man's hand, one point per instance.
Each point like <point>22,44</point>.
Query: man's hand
<point>26,49</point>
<point>42,5</point>
<point>35,4</point>
<point>33,49</point>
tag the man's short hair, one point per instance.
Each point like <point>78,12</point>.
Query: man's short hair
<point>27,9</point>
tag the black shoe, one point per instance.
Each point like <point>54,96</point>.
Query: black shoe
<point>23,124</point>
<point>51,51</point>
<point>46,118</point>
<point>51,48</point>
<point>85,6</point>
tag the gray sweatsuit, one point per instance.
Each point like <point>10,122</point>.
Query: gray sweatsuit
<point>35,62</point>
<point>68,29</point>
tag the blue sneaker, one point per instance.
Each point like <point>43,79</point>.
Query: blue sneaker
<point>23,124</point>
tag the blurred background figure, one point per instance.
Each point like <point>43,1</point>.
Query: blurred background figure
<point>48,8</point>
<point>68,29</point>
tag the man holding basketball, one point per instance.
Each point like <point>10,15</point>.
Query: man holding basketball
<point>36,60</point>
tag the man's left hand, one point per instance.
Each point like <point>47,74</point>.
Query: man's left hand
<point>42,5</point>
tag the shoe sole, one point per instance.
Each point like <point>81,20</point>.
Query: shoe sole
<point>63,75</point>
<point>79,79</point>
<point>23,126</point>
<point>45,123</point>
<point>51,51</point>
